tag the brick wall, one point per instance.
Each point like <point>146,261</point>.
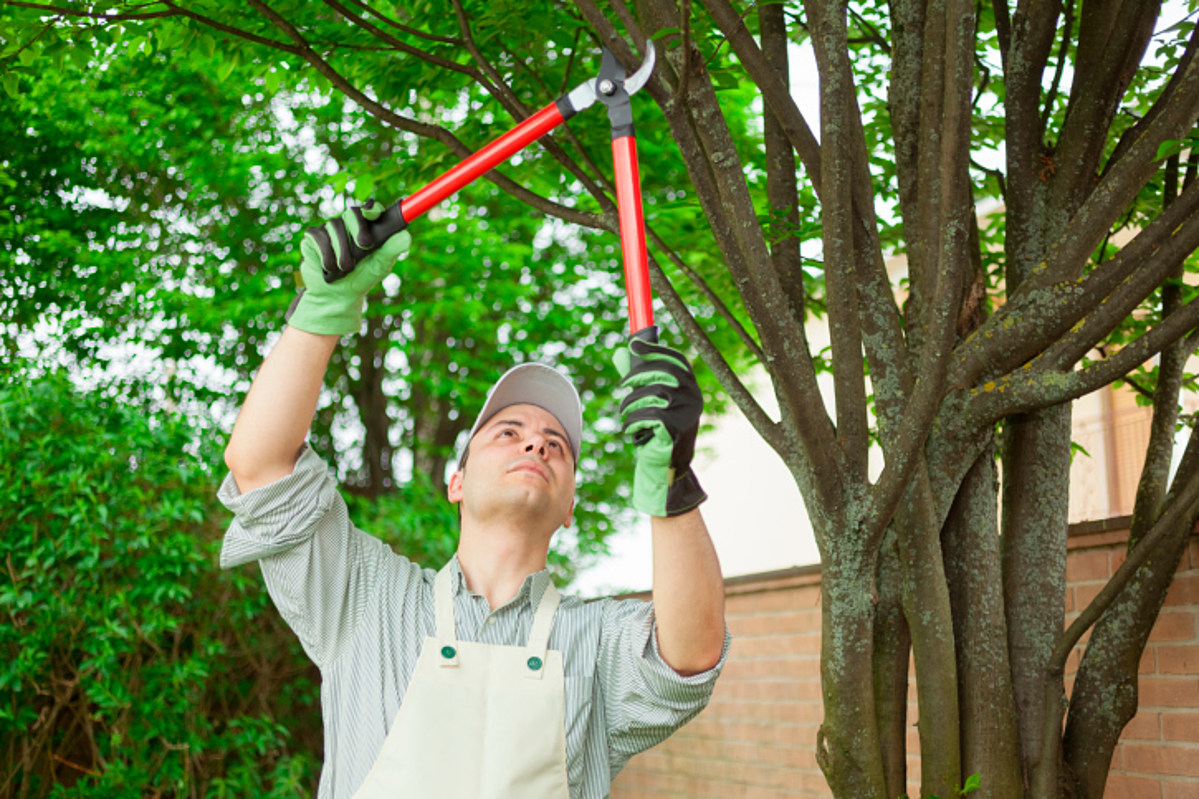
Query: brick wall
<point>756,739</point>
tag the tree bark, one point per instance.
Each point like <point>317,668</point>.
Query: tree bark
<point>892,659</point>
<point>847,745</point>
<point>989,731</point>
<point>1036,485</point>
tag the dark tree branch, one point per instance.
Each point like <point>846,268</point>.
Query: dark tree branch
<point>716,361</point>
<point>945,217</point>
<point>1112,39</point>
<point>782,185</point>
<point>406,48</point>
<point>838,109</point>
<point>1003,29</point>
<point>774,90</point>
<point>1104,315</point>
<point>630,23</point>
<point>1063,50</point>
<point>1181,509</point>
<point>1028,391</point>
<point>685,69</point>
<point>303,49</point>
<point>250,37</point>
<point>71,12</point>
<point>873,36</point>
<point>404,28</point>
<point>721,307</point>
<point>1039,310</point>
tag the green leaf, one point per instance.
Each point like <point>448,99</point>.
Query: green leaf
<point>10,85</point>
<point>1169,147</point>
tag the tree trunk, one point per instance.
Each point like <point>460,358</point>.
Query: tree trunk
<point>929,615</point>
<point>1036,484</point>
<point>892,658</point>
<point>970,539</point>
<point>847,745</point>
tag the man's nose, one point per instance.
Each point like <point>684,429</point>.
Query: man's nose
<point>538,444</point>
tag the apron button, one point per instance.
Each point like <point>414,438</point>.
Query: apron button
<point>448,652</point>
<point>534,663</point>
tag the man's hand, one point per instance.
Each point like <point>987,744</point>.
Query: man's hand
<point>341,261</point>
<point>662,414</point>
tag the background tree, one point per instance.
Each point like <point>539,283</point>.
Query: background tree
<point>128,665</point>
<point>1079,118</point>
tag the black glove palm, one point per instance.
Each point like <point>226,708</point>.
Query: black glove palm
<point>662,412</point>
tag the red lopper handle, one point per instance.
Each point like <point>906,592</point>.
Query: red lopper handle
<point>482,161</point>
<point>632,233</point>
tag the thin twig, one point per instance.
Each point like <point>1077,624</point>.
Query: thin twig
<point>70,12</point>
<point>404,28</point>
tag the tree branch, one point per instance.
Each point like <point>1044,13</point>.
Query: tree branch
<point>302,48</point>
<point>945,220</point>
<point>721,307</point>
<point>838,109</point>
<point>404,28</point>
<point>1059,70</point>
<point>1182,507</point>
<point>1174,112</point>
<point>782,185</point>
<point>774,91</point>
<point>1111,42</point>
<point>403,47</point>
<point>1021,393</point>
<point>1038,309</point>
<point>70,12</point>
<point>716,361</point>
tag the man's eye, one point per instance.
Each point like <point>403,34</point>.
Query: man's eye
<point>508,431</point>
<point>555,444</point>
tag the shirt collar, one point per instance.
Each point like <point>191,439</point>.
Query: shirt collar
<point>531,590</point>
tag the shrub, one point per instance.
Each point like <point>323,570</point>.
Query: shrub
<point>129,664</point>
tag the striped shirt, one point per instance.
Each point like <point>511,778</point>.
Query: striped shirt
<point>362,612</point>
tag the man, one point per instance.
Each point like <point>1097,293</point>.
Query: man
<point>478,680</point>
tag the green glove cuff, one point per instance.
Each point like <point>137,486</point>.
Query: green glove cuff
<point>316,312</point>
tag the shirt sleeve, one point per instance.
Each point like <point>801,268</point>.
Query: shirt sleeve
<point>320,570</point>
<point>645,700</point>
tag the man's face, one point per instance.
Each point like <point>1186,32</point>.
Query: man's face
<point>520,463</point>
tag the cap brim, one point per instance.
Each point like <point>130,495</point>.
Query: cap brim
<point>540,385</point>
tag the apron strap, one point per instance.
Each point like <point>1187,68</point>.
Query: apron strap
<point>443,602</point>
<point>539,634</point>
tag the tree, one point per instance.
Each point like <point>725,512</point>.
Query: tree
<point>1079,119</point>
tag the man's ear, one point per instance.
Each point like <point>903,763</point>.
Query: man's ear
<point>570,513</point>
<point>454,489</point>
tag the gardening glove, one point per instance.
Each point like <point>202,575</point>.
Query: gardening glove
<point>341,261</point>
<point>662,414</point>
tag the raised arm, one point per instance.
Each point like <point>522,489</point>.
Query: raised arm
<point>274,420</point>
<point>688,593</point>
<point>270,430</point>
<point>662,416</point>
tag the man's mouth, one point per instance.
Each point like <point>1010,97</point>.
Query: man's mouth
<point>531,466</point>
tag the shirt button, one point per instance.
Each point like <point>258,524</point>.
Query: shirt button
<point>447,652</point>
<point>534,663</point>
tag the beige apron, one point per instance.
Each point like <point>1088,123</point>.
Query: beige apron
<point>478,721</point>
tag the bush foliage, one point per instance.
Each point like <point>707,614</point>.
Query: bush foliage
<point>130,665</point>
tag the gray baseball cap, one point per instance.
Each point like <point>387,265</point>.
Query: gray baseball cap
<point>540,385</point>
